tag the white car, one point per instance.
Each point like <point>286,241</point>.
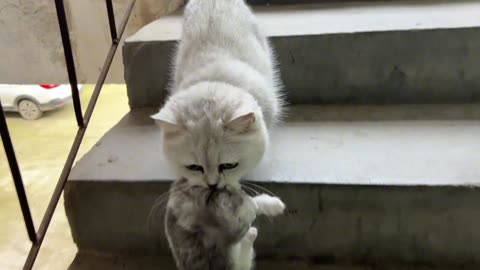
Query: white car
<point>32,100</point>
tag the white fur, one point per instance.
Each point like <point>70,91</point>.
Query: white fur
<point>222,42</point>
<point>223,70</point>
<point>224,99</point>
<point>242,253</point>
<point>268,205</point>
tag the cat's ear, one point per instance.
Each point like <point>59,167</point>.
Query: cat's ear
<point>168,122</point>
<point>165,115</point>
<point>241,123</point>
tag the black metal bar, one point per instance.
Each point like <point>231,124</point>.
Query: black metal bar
<point>67,50</point>
<point>76,145</point>
<point>17,176</point>
<point>111,21</point>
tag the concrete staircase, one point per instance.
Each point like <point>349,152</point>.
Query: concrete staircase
<point>378,161</point>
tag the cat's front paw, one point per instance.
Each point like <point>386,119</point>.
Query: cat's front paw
<point>269,205</point>
<point>251,234</point>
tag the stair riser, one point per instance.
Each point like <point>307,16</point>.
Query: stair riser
<point>293,2</point>
<point>395,67</point>
<point>324,223</point>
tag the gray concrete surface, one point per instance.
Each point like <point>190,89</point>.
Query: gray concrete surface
<point>363,191</point>
<point>97,262</point>
<point>32,51</point>
<point>339,18</point>
<point>31,45</point>
<point>387,53</point>
<point>370,151</point>
<point>30,42</point>
<point>326,224</point>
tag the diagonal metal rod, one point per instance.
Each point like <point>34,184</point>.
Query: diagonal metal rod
<point>76,145</point>
<point>67,50</point>
<point>111,21</point>
<point>17,176</point>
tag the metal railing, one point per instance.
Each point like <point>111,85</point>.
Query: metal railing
<point>36,237</point>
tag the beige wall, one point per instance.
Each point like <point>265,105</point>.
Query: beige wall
<point>30,43</point>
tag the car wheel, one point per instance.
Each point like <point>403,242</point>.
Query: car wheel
<point>29,110</point>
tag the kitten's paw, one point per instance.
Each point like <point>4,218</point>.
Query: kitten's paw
<point>269,205</point>
<point>251,234</point>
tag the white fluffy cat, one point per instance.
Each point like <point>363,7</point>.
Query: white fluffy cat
<point>224,100</point>
<point>224,97</point>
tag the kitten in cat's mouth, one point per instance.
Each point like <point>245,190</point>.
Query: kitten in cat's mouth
<point>201,220</point>
<point>212,192</point>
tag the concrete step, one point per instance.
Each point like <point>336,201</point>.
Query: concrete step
<point>296,2</point>
<point>363,184</point>
<point>286,2</point>
<point>342,53</point>
<point>85,261</point>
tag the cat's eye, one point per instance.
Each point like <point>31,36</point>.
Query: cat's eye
<point>195,167</point>
<point>227,166</point>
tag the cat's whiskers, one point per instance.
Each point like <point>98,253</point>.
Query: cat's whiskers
<point>252,185</point>
<point>160,204</point>
<point>257,193</point>
<point>252,191</point>
<point>266,190</point>
<point>161,196</point>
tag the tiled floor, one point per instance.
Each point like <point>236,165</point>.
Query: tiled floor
<point>41,147</point>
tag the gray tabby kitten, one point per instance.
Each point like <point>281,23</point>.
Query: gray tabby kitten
<point>211,229</point>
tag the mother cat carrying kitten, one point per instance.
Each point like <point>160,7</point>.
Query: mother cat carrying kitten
<point>224,101</point>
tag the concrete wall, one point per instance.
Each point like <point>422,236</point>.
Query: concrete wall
<point>328,224</point>
<point>30,43</point>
